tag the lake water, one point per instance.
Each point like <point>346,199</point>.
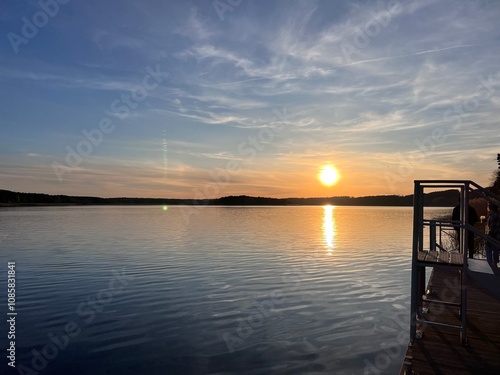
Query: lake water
<point>224,290</point>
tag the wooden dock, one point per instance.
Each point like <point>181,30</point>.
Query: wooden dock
<point>439,351</point>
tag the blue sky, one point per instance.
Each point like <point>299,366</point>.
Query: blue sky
<point>212,98</point>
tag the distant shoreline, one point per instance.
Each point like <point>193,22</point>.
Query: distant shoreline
<point>447,198</point>
<point>7,205</point>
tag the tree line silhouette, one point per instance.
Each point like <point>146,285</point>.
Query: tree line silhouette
<point>447,198</point>
<point>439,199</point>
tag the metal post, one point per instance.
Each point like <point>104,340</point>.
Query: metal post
<point>420,210</point>
<point>420,269</point>
<point>432,235</point>
<point>440,235</point>
<point>463,283</point>
<point>466,223</point>
<point>462,223</point>
<point>414,272</point>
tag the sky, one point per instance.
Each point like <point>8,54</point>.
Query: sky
<point>203,99</point>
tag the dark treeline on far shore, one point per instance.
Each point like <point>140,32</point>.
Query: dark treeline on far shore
<point>446,198</point>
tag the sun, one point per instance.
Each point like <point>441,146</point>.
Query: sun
<point>328,175</point>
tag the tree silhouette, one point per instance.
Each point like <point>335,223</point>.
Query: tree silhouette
<point>495,188</point>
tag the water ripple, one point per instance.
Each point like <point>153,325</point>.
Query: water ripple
<point>234,290</point>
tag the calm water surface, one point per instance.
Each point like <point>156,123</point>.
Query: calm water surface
<point>228,290</point>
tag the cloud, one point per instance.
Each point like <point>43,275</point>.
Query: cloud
<point>362,110</point>
<point>196,27</point>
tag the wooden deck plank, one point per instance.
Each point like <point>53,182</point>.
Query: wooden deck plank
<point>441,257</point>
<point>444,257</point>
<point>440,351</point>
<point>456,258</point>
<point>432,256</point>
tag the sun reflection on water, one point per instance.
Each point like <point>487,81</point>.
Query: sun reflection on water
<point>329,228</point>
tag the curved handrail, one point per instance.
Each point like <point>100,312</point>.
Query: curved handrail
<point>486,193</point>
<point>456,224</point>
<point>483,235</point>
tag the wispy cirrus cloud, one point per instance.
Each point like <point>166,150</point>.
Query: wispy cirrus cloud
<point>364,84</point>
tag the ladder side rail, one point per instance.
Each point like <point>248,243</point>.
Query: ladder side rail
<point>463,276</point>
<point>414,268</point>
<point>487,193</point>
<point>464,204</point>
<point>484,236</point>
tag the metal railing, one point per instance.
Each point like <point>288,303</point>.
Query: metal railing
<point>439,237</point>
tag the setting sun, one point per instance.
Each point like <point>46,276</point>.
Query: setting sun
<point>328,175</point>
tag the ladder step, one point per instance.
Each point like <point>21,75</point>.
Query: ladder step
<point>427,299</point>
<point>437,324</point>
